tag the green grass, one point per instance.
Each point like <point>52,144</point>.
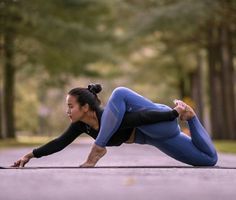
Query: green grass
<point>225,146</point>
<point>23,141</point>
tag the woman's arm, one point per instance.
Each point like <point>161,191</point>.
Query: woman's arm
<point>59,143</point>
<point>55,145</point>
<point>146,117</point>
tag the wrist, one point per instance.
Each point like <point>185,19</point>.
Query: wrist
<point>96,153</point>
<point>29,155</point>
<point>97,147</point>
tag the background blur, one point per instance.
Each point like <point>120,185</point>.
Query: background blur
<point>163,49</point>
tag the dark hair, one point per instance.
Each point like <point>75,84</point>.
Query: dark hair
<point>87,95</point>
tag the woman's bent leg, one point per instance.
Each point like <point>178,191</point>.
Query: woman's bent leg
<point>197,151</point>
<point>180,148</point>
<point>200,138</point>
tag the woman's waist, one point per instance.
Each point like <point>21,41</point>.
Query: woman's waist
<point>131,138</point>
<point>120,136</point>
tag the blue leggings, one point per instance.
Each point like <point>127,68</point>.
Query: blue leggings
<point>197,150</point>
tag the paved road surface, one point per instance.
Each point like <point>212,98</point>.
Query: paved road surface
<point>153,176</point>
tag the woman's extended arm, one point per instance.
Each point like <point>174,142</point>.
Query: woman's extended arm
<point>55,145</point>
<point>59,143</point>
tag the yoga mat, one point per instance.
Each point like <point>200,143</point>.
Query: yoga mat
<point>117,167</point>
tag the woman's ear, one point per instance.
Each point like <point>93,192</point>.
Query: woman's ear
<point>85,108</point>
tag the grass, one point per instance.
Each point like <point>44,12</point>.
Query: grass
<point>224,146</point>
<point>23,141</point>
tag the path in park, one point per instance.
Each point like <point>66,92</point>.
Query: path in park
<point>153,176</point>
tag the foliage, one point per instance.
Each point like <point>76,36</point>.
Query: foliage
<point>150,46</point>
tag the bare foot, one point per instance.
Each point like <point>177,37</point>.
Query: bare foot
<point>185,114</point>
<point>180,108</point>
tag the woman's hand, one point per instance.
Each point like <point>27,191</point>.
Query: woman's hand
<point>22,161</point>
<point>95,155</point>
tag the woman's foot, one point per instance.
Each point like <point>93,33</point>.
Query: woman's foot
<point>185,111</point>
<point>180,108</point>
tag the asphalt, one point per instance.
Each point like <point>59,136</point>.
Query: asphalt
<point>126,172</point>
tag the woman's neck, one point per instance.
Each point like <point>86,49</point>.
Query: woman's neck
<point>91,119</point>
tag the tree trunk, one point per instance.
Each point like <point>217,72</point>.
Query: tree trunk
<point>215,100</point>
<point>197,88</point>
<point>227,82</point>
<point>1,58</point>
<point>8,86</point>
<point>182,82</point>
<point>1,132</point>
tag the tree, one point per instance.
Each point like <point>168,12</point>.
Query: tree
<point>221,74</point>
<point>196,26</point>
<point>9,16</point>
<point>74,40</point>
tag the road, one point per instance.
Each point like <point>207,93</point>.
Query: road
<point>126,172</point>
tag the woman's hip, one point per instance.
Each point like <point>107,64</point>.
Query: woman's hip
<point>162,130</point>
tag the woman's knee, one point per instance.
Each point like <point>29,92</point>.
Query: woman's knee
<point>209,161</point>
<point>213,159</point>
<point>120,92</point>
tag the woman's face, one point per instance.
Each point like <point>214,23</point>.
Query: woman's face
<point>74,111</point>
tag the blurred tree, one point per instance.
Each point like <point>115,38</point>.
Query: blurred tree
<point>171,28</point>
<point>197,88</point>
<point>58,36</point>
<point>8,15</point>
<point>162,42</point>
<point>1,65</point>
<point>187,27</point>
<point>221,71</point>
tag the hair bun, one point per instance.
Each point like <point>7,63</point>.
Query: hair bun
<point>95,88</point>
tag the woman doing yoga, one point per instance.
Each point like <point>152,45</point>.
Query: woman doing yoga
<point>130,118</point>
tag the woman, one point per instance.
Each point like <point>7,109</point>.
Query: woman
<point>131,118</point>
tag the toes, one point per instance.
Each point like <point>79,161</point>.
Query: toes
<point>176,101</point>
<point>182,105</point>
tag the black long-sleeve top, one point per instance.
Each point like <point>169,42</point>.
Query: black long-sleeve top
<point>129,122</point>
